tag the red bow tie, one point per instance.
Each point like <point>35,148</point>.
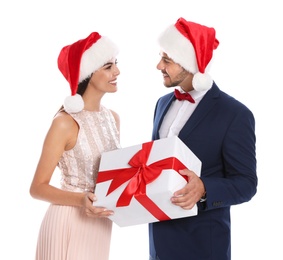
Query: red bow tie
<point>183,96</point>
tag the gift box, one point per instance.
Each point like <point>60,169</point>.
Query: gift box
<point>137,182</point>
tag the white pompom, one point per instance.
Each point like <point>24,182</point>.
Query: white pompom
<point>202,81</point>
<point>74,104</point>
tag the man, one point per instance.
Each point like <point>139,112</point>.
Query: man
<point>219,130</point>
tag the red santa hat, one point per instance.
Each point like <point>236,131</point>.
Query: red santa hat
<point>191,45</point>
<point>79,60</point>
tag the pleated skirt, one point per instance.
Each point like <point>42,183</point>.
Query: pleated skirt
<point>66,233</point>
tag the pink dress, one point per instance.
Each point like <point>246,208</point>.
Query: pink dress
<point>66,233</point>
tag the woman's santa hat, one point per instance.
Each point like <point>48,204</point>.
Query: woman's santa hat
<point>191,45</point>
<point>79,60</point>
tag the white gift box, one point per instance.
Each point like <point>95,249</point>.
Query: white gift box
<point>144,187</point>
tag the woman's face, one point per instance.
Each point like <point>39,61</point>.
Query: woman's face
<point>105,78</point>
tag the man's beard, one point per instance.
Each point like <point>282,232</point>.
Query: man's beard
<point>178,79</point>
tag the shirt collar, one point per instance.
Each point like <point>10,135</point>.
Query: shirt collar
<point>195,94</point>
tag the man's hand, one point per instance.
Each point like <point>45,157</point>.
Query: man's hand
<point>188,196</point>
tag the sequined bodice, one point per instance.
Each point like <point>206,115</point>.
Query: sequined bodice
<point>97,133</point>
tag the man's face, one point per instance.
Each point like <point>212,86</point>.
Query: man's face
<point>173,74</point>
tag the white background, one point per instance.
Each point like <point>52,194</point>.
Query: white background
<point>247,65</point>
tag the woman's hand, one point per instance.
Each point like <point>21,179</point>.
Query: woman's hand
<point>91,210</point>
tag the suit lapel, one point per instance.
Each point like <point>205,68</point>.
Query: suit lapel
<point>163,106</point>
<point>203,108</point>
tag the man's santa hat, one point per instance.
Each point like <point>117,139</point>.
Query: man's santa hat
<point>79,60</point>
<point>191,45</point>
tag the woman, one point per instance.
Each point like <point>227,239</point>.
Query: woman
<point>81,130</point>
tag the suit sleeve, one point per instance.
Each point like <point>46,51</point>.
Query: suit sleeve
<point>238,181</point>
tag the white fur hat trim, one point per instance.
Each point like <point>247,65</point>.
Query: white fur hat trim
<point>179,48</point>
<point>96,56</point>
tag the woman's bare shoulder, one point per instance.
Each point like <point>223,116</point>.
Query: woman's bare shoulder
<point>63,121</point>
<point>117,118</point>
<point>115,115</point>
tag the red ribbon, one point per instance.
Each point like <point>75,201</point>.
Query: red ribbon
<point>139,176</point>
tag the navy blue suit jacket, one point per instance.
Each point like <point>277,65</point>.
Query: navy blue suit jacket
<point>221,133</point>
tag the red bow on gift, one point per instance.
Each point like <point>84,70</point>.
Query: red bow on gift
<point>139,175</point>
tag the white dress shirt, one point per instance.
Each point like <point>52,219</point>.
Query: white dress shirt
<point>179,113</point>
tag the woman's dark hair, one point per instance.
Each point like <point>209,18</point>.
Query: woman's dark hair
<point>81,89</point>
<point>83,85</point>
